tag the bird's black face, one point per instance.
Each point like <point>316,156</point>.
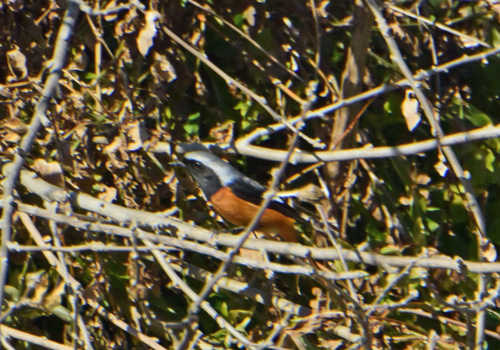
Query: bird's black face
<point>206,177</point>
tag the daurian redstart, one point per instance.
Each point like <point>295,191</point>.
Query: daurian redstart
<point>237,198</point>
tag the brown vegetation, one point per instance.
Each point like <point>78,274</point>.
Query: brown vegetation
<point>377,120</point>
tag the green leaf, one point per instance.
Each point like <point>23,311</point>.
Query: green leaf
<point>477,117</point>
<point>243,107</point>
<point>239,19</point>
<point>192,127</point>
<point>490,161</point>
<point>495,37</point>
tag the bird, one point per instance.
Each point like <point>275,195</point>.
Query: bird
<point>237,198</point>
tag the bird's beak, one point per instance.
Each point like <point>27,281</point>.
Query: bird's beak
<point>177,163</point>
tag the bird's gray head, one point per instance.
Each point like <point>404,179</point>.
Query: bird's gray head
<point>195,161</point>
<point>210,171</point>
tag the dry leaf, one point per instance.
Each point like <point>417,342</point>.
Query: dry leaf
<point>441,168</point>
<point>39,280</point>
<point>80,60</point>
<point>162,69</point>
<point>107,194</point>
<point>201,89</point>
<point>50,172</point>
<point>15,125</point>
<point>10,136</point>
<point>53,299</point>
<point>321,8</point>
<point>223,133</point>
<point>488,250</point>
<point>147,34</point>
<point>12,130</point>
<point>116,147</point>
<point>423,179</point>
<point>126,26</point>
<point>136,135</point>
<point>468,43</point>
<point>410,108</point>
<point>65,154</point>
<point>331,344</point>
<point>17,63</point>
<point>249,15</point>
<point>310,193</point>
<point>406,201</point>
<point>111,16</point>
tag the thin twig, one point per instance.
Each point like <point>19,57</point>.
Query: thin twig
<point>403,83</point>
<point>486,132</point>
<point>121,7</point>
<point>244,35</point>
<point>229,80</point>
<point>471,202</point>
<point>446,320</point>
<point>179,282</point>
<point>32,339</point>
<point>151,342</point>
<point>61,269</point>
<point>268,196</point>
<point>437,25</point>
<point>57,63</point>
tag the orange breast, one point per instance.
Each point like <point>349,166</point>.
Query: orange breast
<point>240,212</point>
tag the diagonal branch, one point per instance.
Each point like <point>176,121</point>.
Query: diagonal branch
<point>471,201</point>
<point>379,90</point>
<point>207,289</point>
<point>39,118</point>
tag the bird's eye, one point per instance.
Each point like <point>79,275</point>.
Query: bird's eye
<point>197,164</point>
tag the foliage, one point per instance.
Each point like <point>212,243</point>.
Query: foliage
<point>140,78</point>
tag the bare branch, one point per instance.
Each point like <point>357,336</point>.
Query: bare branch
<point>414,148</point>
<point>472,204</point>
<point>121,7</point>
<point>39,118</point>
<point>438,25</point>
<point>33,339</point>
<point>202,235</point>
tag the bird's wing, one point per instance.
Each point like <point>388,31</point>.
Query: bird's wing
<point>252,192</point>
